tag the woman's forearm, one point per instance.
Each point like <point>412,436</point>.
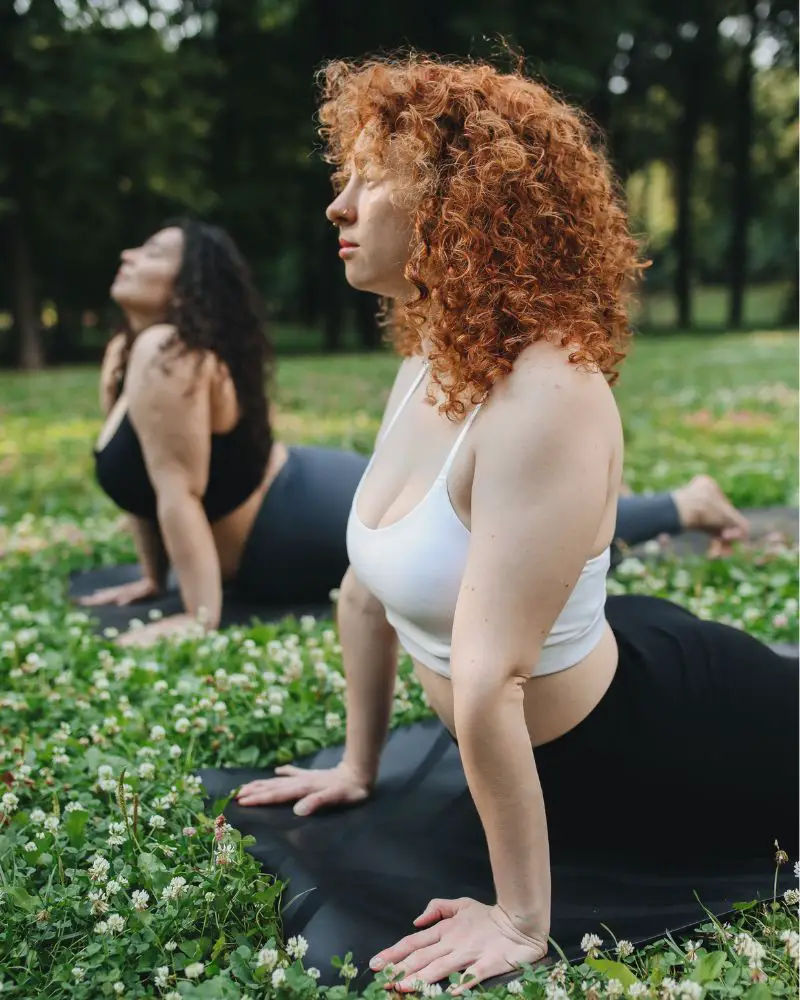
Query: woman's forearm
<point>150,550</point>
<point>191,550</point>
<point>499,764</point>
<point>369,652</point>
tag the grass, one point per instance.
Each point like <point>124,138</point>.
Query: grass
<point>98,745</point>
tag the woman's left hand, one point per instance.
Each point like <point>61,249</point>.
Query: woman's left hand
<point>171,627</point>
<point>462,936</point>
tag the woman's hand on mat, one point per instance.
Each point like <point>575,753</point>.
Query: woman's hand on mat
<point>125,593</point>
<point>308,789</point>
<point>173,626</point>
<point>461,936</point>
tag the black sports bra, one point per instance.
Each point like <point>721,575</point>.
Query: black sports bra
<point>233,476</point>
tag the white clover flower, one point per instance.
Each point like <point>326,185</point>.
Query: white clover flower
<point>160,687</point>
<point>515,987</point>
<point>140,899</point>
<point>9,803</point>
<point>791,897</point>
<point>267,959</point>
<point>348,971</point>
<point>614,988</point>
<point>113,886</point>
<point>638,990</point>
<point>332,720</point>
<point>278,977</point>
<point>747,946</point>
<point>146,770</point>
<point>161,976</point>
<point>157,733</point>
<point>691,949</point>
<point>107,785</point>
<point>431,990</point>
<point>78,974</point>
<point>209,897</point>
<point>182,725</point>
<point>173,995</point>
<point>797,869</point>
<point>51,824</point>
<point>30,847</point>
<point>175,751</point>
<point>170,946</point>
<point>99,870</point>
<point>624,949</point>
<point>225,854</point>
<point>313,973</point>
<point>157,822</point>
<point>668,988</point>
<point>99,903</point>
<point>119,987</point>
<point>194,971</point>
<point>553,991</point>
<point>37,816</point>
<point>590,943</point>
<point>175,889</point>
<point>101,927</point>
<point>687,990</point>
<point>297,946</point>
<point>116,834</point>
<point>791,942</point>
<point>115,923</point>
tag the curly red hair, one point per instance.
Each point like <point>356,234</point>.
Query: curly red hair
<point>520,233</point>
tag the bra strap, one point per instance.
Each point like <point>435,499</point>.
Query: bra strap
<point>403,403</point>
<point>454,450</point>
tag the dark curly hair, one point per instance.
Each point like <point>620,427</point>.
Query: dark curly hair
<point>216,307</point>
<point>520,233</point>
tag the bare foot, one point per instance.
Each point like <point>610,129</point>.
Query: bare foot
<point>702,506</point>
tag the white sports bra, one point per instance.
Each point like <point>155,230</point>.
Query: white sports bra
<point>414,567</point>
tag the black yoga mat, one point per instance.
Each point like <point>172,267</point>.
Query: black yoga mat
<point>358,876</point>
<point>235,610</point>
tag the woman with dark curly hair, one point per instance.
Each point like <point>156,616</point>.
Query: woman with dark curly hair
<point>480,204</point>
<point>187,448</point>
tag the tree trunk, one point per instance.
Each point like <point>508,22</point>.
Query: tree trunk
<point>686,147</point>
<point>698,71</point>
<point>26,313</point>
<point>742,179</point>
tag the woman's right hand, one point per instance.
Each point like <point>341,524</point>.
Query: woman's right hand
<point>125,593</point>
<point>308,789</point>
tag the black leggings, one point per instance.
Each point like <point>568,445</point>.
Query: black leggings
<point>297,552</point>
<point>693,750</point>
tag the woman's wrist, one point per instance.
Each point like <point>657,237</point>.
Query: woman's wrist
<point>531,921</point>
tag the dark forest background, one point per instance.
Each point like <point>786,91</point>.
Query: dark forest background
<point>116,114</point>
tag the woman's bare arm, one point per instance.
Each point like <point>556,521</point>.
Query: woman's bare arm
<point>169,406</point>
<point>541,486</point>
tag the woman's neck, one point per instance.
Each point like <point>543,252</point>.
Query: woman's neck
<point>138,322</point>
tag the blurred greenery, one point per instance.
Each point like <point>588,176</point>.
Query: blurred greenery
<point>725,405</point>
<point>118,114</point>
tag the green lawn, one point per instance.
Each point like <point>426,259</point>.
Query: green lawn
<point>99,745</point>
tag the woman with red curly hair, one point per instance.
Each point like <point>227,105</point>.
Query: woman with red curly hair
<point>478,203</point>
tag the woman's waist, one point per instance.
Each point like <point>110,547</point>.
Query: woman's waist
<point>554,703</point>
<point>232,531</point>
